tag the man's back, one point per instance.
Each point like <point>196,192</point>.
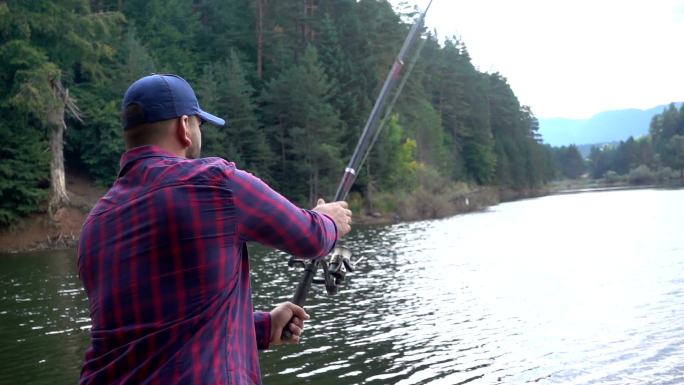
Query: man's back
<point>163,260</point>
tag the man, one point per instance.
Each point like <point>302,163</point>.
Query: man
<point>162,255</point>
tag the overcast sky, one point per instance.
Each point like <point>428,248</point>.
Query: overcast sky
<point>572,58</point>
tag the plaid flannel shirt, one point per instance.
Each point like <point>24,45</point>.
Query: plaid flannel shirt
<point>162,257</point>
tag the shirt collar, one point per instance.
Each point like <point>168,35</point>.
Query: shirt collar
<point>137,153</point>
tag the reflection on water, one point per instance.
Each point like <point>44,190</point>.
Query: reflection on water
<point>572,289</point>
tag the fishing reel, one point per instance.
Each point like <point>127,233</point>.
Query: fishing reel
<point>333,269</point>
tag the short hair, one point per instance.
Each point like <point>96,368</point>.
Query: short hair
<point>144,133</point>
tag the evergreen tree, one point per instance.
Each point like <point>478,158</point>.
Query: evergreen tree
<point>675,154</point>
<point>663,127</point>
<point>23,172</point>
<point>599,161</point>
<point>224,88</point>
<point>225,26</point>
<point>305,128</point>
<point>570,161</point>
<point>170,29</point>
<point>506,127</point>
<point>451,119</point>
<point>245,132</point>
<point>97,144</point>
<point>48,47</point>
<point>212,89</point>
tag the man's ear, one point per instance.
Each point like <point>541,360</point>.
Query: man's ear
<point>183,131</point>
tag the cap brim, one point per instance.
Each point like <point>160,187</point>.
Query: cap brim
<point>207,117</point>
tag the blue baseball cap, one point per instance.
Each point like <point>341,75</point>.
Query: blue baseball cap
<point>162,97</point>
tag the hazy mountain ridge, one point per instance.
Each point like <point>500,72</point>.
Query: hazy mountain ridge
<point>607,126</point>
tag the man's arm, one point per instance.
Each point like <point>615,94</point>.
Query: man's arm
<point>262,327</point>
<point>267,217</point>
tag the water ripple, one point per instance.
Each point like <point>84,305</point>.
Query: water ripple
<point>557,290</point>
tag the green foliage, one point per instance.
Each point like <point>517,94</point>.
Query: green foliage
<point>45,45</point>
<point>570,161</point>
<point>97,143</point>
<point>133,61</point>
<point>611,177</point>
<point>674,152</point>
<point>666,175</point>
<point>400,173</point>
<point>294,123</point>
<point>516,142</point>
<point>22,184</point>
<point>663,147</point>
<point>641,175</point>
<point>225,90</point>
<point>305,128</point>
<point>170,30</point>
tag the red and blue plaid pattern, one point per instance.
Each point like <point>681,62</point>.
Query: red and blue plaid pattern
<point>163,260</point>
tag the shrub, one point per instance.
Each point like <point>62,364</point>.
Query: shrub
<point>641,175</point>
<point>355,201</point>
<point>429,179</point>
<point>665,175</point>
<point>611,177</point>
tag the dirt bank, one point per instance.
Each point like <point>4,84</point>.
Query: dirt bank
<point>37,232</point>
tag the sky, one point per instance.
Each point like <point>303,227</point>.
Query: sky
<point>572,58</point>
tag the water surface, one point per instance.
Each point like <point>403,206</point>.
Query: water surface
<point>572,289</point>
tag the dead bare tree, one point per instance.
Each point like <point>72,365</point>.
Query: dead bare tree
<point>61,105</point>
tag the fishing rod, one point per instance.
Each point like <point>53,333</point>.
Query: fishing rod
<point>339,263</point>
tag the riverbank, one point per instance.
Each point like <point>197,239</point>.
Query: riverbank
<point>429,200</point>
<point>38,232</point>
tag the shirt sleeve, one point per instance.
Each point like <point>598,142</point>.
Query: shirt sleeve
<point>262,327</point>
<point>267,217</point>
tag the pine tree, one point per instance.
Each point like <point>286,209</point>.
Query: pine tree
<point>212,89</point>
<point>56,44</point>
<point>170,29</point>
<point>305,128</point>
<point>244,131</point>
<point>224,89</point>
<point>504,118</point>
<point>570,161</point>
<point>674,155</point>
<point>454,120</point>
<point>97,144</point>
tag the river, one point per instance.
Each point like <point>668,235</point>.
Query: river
<point>572,289</point>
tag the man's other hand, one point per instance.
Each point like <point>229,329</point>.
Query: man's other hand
<point>339,212</point>
<point>287,315</point>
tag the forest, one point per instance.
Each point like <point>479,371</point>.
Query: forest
<point>295,79</point>
<point>657,158</point>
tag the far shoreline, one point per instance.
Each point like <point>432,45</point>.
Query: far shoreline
<point>37,233</point>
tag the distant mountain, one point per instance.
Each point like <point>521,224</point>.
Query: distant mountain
<point>608,126</point>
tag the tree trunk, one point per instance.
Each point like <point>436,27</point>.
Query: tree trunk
<point>283,157</point>
<point>260,37</point>
<point>312,201</point>
<point>62,103</point>
<point>315,191</point>
<point>58,193</point>
<point>310,7</point>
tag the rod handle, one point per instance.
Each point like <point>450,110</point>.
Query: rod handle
<point>300,294</point>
